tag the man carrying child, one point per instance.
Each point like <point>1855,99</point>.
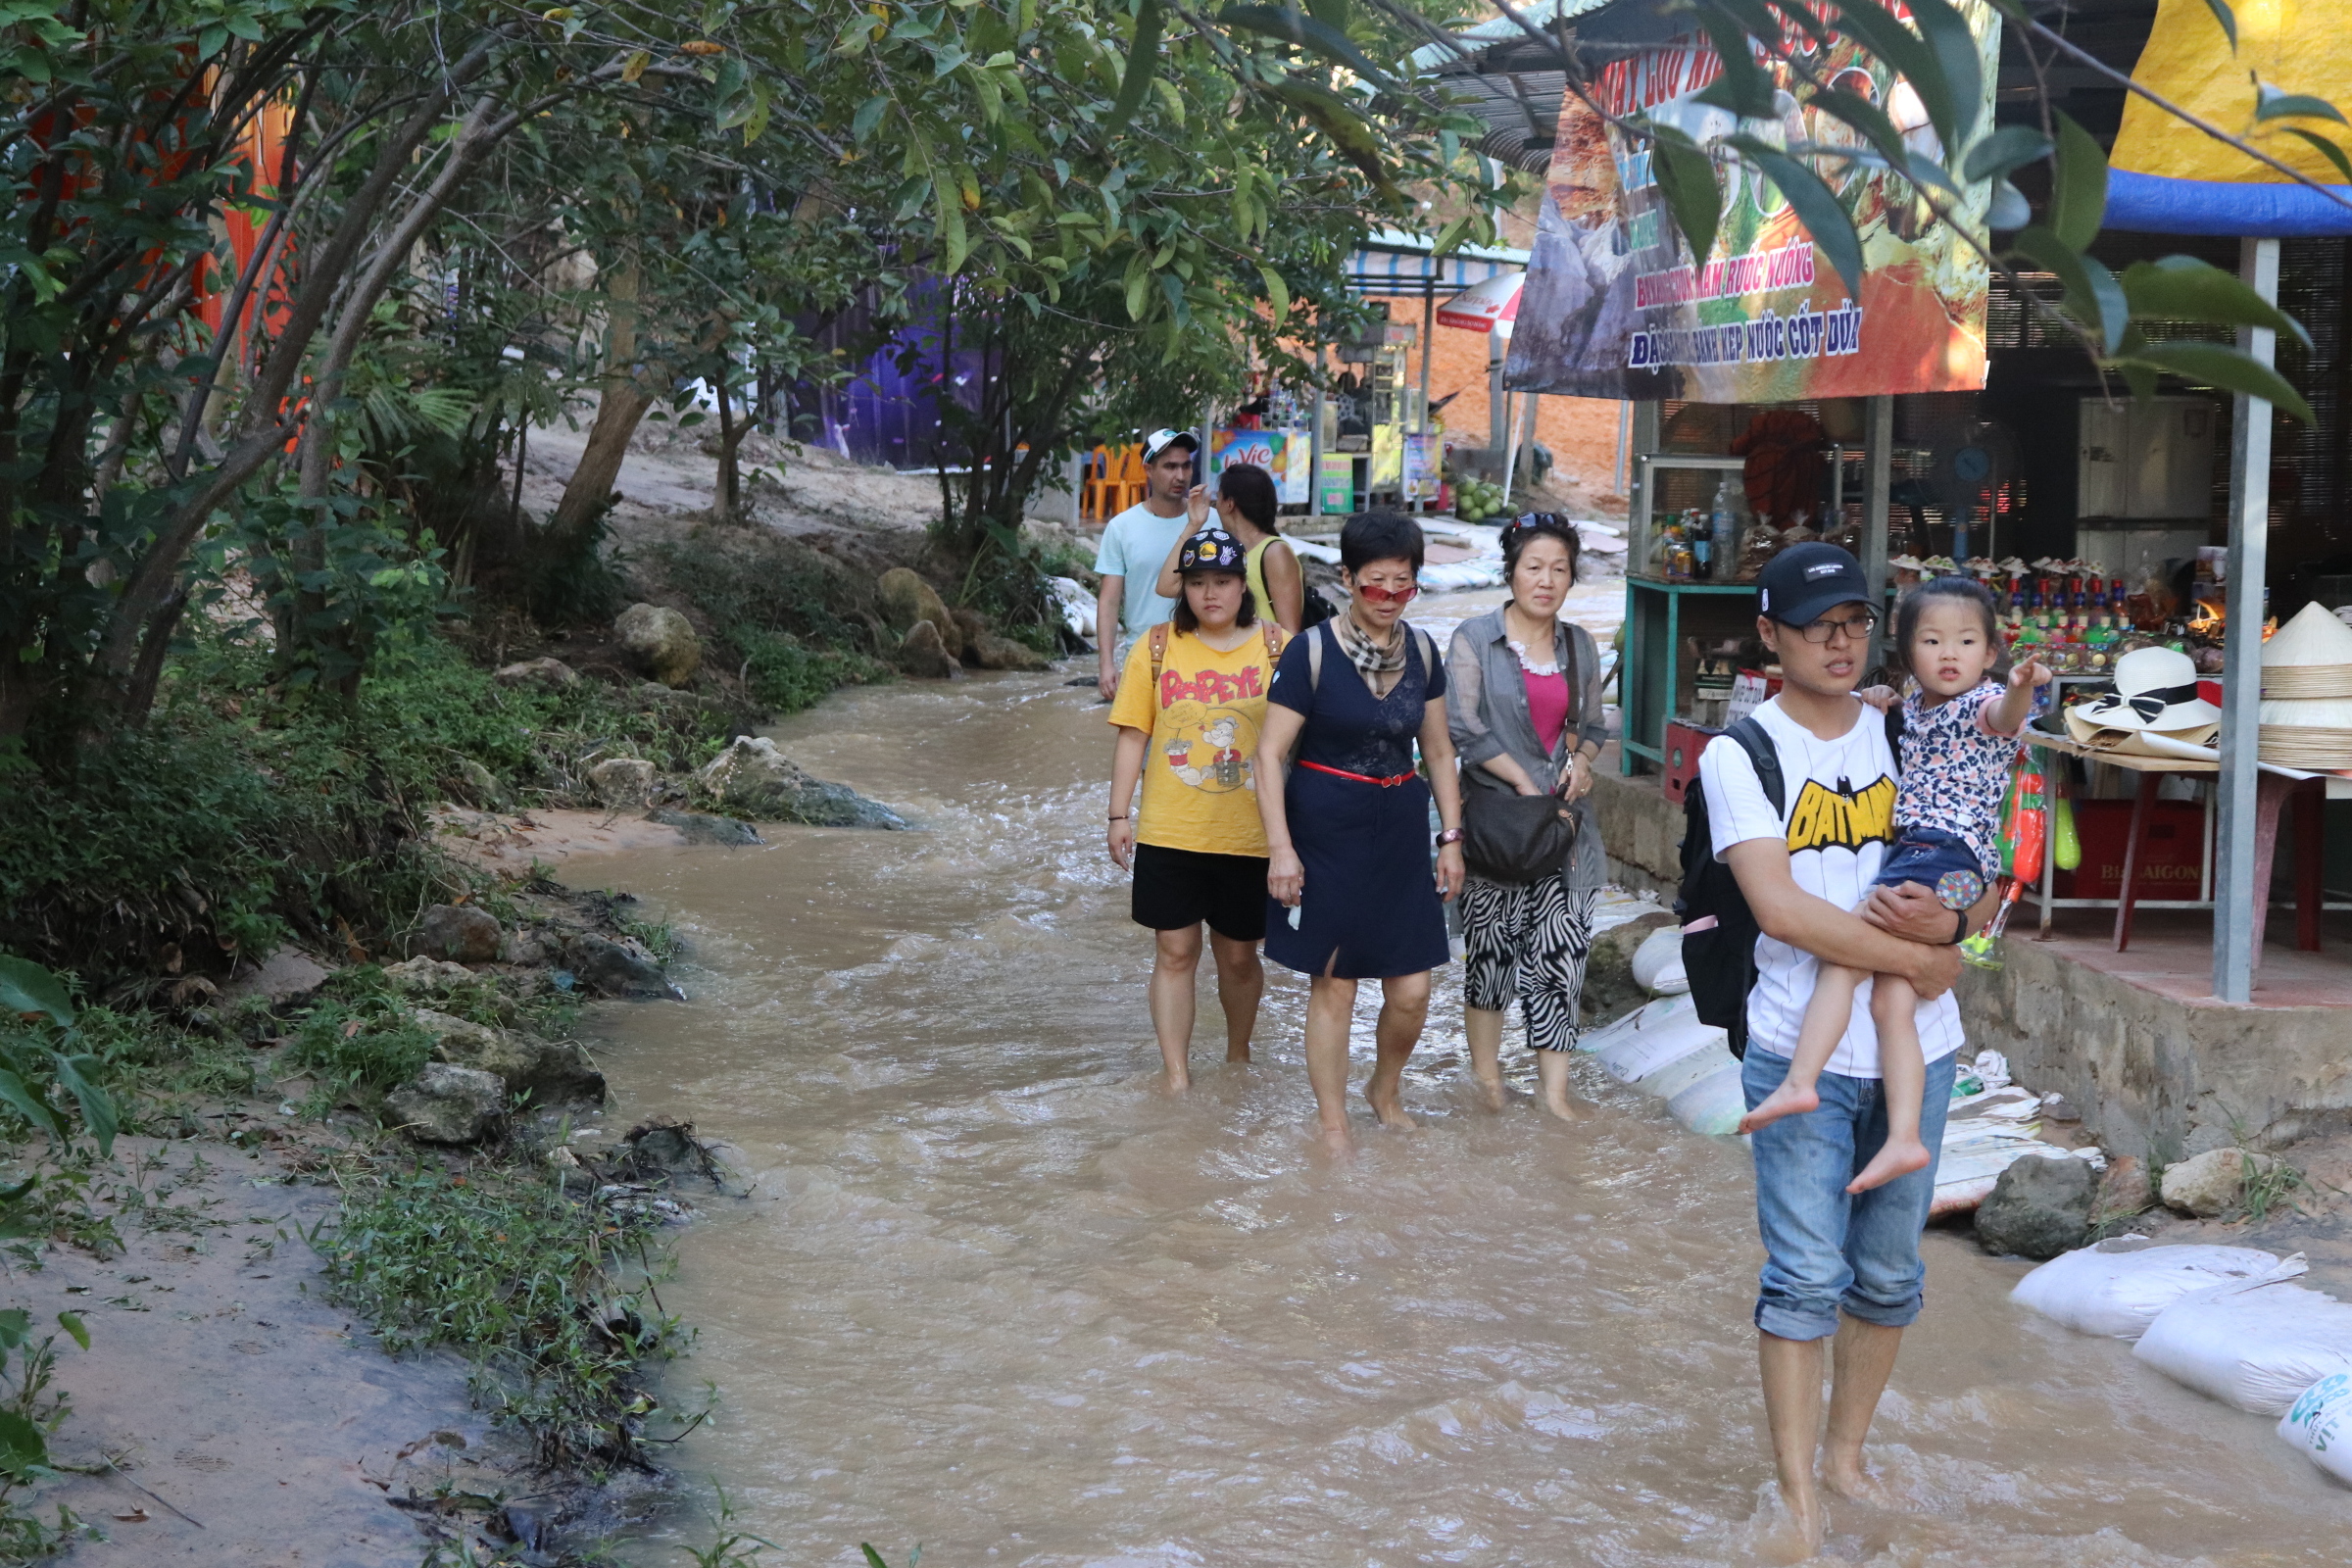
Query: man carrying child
<point>1838,1264</point>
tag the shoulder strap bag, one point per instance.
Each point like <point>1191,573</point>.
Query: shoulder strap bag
<point>1521,838</point>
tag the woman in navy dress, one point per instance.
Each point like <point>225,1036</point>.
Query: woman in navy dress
<point>1348,833</point>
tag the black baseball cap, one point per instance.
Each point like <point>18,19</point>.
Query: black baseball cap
<point>1805,582</point>
<point>1211,550</point>
<point>1160,441</point>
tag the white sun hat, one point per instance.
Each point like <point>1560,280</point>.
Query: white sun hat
<point>2155,692</point>
<point>2310,656</point>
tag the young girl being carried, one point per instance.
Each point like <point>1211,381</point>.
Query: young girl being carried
<point>1959,738</point>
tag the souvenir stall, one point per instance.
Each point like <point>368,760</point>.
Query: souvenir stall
<point>2122,541</point>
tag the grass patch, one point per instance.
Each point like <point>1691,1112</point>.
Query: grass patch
<point>552,1299</point>
<point>794,623</point>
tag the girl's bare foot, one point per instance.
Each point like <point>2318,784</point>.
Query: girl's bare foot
<point>1848,1480</point>
<point>1234,1053</point>
<point>1387,1103</point>
<point>1789,1100</point>
<point>1174,1081</point>
<point>1337,1144</point>
<point>1490,1091</point>
<point>1893,1158</point>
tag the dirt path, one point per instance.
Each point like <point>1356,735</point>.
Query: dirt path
<point>223,1384</point>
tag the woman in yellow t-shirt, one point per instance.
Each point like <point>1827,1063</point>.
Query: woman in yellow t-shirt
<point>1190,704</point>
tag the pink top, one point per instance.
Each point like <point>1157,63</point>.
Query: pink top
<point>1546,706</point>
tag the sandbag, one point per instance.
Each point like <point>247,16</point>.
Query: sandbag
<point>2254,1346</point>
<point>1712,1104</point>
<point>2116,1290</point>
<point>1659,1035</point>
<point>1706,1061</point>
<point>2320,1423</point>
<point>1658,963</point>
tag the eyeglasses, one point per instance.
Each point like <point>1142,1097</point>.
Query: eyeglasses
<point>1858,627</point>
<point>1388,596</point>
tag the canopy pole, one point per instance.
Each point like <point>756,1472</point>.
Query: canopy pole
<point>2235,896</point>
<point>1877,462</point>
<point>1314,440</point>
<point>1498,428</point>
<point>1429,341</point>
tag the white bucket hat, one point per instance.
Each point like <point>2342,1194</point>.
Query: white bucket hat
<point>2156,692</point>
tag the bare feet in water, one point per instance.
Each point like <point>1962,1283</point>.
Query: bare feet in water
<point>1173,1081</point>
<point>1848,1480</point>
<point>1565,1106</point>
<point>1789,1532</point>
<point>1386,1101</point>
<point>1892,1160</point>
<point>1490,1091</point>
<point>1786,1101</point>
<point>1337,1144</point>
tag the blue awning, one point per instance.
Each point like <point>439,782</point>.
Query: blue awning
<point>1393,261</point>
<point>2156,204</point>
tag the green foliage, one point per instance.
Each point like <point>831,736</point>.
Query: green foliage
<point>500,1266</point>
<point>368,1043</point>
<point>792,620</point>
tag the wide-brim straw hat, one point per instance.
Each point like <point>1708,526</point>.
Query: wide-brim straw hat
<point>2308,658</point>
<point>2313,733</point>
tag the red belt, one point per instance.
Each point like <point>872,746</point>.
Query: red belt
<point>1361,778</point>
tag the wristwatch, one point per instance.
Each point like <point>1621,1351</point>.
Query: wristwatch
<point>1961,935</point>
<point>1453,835</point>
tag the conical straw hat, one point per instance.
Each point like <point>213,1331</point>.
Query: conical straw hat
<point>2310,656</point>
<point>2310,713</point>
<point>2313,637</point>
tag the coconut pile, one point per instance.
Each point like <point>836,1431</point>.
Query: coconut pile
<point>2306,716</point>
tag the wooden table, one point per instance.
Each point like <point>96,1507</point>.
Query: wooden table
<point>2273,793</point>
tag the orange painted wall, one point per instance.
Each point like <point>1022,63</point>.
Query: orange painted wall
<point>1581,433</point>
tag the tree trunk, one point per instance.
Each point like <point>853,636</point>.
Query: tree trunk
<point>623,407</point>
<point>730,473</point>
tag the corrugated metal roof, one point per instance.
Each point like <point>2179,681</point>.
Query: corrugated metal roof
<point>1502,29</point>
<point>1394,262</point>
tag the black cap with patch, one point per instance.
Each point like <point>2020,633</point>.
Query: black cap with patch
<point>1805,582</point>
<point>1211,550</point>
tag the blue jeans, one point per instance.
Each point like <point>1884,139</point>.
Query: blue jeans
<point>1826,1249</point>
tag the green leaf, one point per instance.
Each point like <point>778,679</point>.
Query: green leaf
<point>14,1091</point>
<point>2272,104</point>
<point>23,1449</point>
<point>2093,298</point>
<point>2009,148</point>
<point>2079,192</point>
<point>16,1327</point>
<point>869,114</point>
<point>1348,131</point>
<point>1816,206</point>
<point>1685,176</point>
<point>97,1107</point>
<point>1908,56</point>
<point>1143,57</point>
<point>1955,47</point>
<point>2182,288</point>
<point>1307,31</point>
<point>2227,18</point>
<point>873,1558</point>
<point>1139,293</point>
<point>1278,293</point>
<point>2328,149</point>
<point>71,1323</point>
<point>1745,87</point>
<point>1868,118</point>
<point>1330,13</point>
<point>27,987</point>
<point>2232,370</point>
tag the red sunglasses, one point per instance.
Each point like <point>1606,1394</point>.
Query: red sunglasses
<point>1388,596</point>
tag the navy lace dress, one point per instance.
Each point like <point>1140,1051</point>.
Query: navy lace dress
<point>1370,907</point>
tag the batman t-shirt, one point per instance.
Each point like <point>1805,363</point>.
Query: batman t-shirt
<point>1838,820</point>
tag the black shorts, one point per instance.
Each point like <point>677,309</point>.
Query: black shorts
<point>1179,888</point>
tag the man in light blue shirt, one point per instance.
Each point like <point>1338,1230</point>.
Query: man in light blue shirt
<point>1136,545</point>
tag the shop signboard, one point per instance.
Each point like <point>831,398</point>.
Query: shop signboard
<point>1423,461</point>
<point>1281,453</point>
<point>1335,494</point>
<point>1614,307</point>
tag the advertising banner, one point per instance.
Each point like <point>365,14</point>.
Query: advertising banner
<point>1614,307</point>
<point>1281,453</point>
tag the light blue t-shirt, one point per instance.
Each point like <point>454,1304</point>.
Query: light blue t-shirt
<point>1134,546</point>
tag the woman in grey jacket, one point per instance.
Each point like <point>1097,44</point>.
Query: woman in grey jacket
<point>1524,707</point>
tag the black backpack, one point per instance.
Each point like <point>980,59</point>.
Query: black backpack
<point>1719,931</point>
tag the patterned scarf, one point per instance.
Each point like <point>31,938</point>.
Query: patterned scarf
<point>1381,668</point>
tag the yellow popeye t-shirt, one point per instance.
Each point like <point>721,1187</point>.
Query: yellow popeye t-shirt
<point>1200,764</point>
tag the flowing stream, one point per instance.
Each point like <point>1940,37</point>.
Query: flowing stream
<point>992,1295</point>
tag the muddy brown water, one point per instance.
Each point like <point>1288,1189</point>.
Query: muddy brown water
<point>992,1294</point>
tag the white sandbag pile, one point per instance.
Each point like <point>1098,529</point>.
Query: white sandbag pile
<point>2320,1423</point>
<point>2116,1288</point>
<point>2256,1344</point>
<point>1657,963</point>
<point>1987,1131</point>
<point>1663,1049</point>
